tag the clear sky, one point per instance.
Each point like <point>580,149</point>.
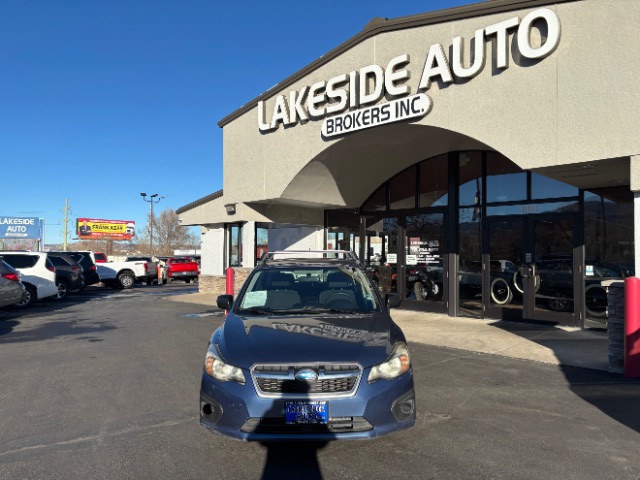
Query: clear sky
<point>103,99</point>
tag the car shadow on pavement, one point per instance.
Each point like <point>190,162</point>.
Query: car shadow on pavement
<point>6,326</point>
<point>583,359</point>
<point>49,330</point>
<point>292,460</point>
<point>12,317</point>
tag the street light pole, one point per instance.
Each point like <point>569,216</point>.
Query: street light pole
<point>151,200</point>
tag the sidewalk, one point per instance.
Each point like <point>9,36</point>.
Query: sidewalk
<point>545,344</point>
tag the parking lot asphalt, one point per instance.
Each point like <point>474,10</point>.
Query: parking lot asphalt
<point>540,343</point>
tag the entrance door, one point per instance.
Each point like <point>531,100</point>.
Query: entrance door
<point>425,267</point>
<point>530,269</point>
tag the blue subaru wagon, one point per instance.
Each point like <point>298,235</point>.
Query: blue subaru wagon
<point>308,351</point>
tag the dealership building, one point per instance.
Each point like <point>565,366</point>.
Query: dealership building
<point>491,150</point>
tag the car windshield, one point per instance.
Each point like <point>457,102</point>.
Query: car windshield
<point>311,290</point>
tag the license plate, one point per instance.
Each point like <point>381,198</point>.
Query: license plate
<point>306,412</point>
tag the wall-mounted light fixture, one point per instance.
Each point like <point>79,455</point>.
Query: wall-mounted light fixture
<point>231,208</point>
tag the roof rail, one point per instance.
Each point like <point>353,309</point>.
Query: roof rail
<point>307,254</point>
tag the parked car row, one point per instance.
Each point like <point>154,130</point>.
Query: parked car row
<point>26,277</point>
<point>12,290</point>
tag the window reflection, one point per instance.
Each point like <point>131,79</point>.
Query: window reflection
<point>470,172</point>
<point>506,182</point>
<point>403,189</point>
<point>545,187</point>
<point>434,178</point>
<point>378,201</point>
<point>553,207</point>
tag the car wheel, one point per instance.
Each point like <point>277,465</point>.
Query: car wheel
<point>518,282</point>
<point>560,302</point>
<point>63,290</point>
<point>420,290</point>
<point>126,280</point>
<point>30,296</point>
<point>188,280</point>
<point>595,301</point>
<point>501,294</point>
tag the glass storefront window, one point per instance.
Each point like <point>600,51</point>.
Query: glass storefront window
<point>470,173</point>
<point>234,240</point>
<point>545,187</point>
<point>425,258</point>
<point>506,182</point>
<point>470,264</point>
<point>609,226</point>
<point>402,190</point>
<point>378,201</point>
<point>262,241</point>
<point>434,182</point>
<point>532,208</point>
<point>609,246</point>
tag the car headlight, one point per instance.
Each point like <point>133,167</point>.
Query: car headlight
<point>216,368</point>
<point>398,363</point>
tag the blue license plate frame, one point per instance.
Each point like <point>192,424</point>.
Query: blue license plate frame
<point>306,412</point>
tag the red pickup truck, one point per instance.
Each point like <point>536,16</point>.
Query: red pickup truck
<point>180,268</point>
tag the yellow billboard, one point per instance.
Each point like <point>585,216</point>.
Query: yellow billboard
<point>97,228</point>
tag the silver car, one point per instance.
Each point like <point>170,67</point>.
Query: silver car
<point>11,288</point>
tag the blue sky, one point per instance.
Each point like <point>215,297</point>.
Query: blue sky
<point>103,99</point>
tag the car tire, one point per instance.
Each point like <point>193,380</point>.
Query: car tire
<point>126,280</point>
<point>560,302</point>
<point>63,289</point>
<point>30,296</point>
<point>518,285</point>
<point>501,293</point>
<point>596,301</point>
<point>187,280</point>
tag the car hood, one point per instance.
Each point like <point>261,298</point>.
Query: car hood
<point>364,339</point>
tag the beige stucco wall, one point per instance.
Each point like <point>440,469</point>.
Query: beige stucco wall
<point>579,104</point>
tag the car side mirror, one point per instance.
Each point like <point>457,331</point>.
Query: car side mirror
<point>392,300</point>
<point>225,302</point>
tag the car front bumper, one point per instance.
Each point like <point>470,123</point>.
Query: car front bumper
<point>376,409</point>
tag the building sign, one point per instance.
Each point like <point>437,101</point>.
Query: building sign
<point>358,90</point>
<point>20,227</point>
<point>393,111</point>
<point>96,229</point>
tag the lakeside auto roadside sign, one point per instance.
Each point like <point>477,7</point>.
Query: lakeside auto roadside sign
<point>97,228</point>
<point>20,227</point>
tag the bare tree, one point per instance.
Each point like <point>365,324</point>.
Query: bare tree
<point>169,235</point>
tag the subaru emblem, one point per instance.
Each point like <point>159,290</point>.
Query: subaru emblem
<point>306,375</point>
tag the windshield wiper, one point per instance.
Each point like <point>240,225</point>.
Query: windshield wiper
<point>305,310</point>
<point>258,310</point>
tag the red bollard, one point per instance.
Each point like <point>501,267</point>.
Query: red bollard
<point>632,327</point>
<point>230,275</point>
<point>230,278</point>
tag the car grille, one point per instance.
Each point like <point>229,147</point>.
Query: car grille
<point>333,380</point>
